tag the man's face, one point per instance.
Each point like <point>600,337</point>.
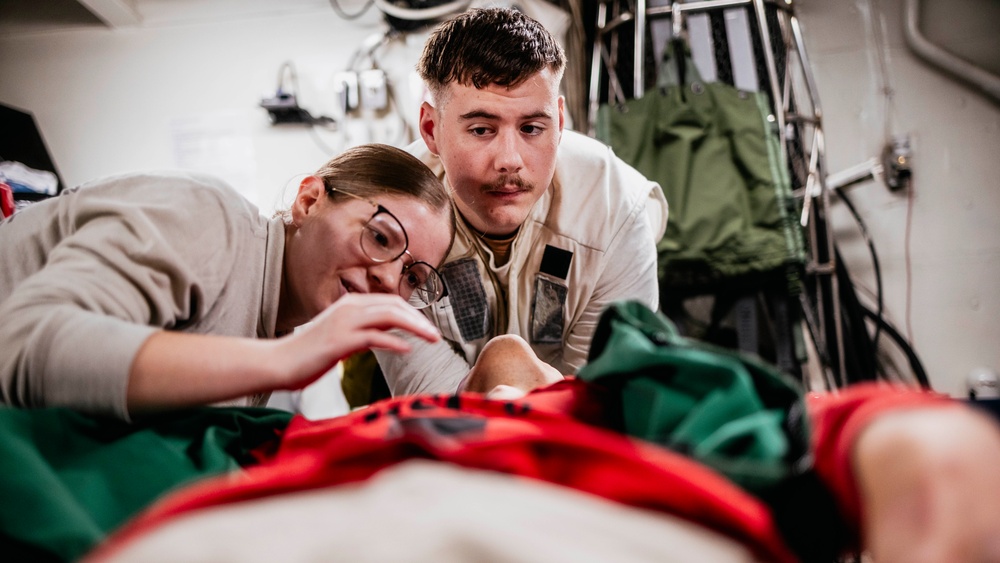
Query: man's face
<point>498,146</point>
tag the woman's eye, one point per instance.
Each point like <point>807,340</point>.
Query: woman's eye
<point>412,280</point>
<point>380,238</point>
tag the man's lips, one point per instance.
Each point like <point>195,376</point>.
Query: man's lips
<point>508,185</point>
<point>510,189</point>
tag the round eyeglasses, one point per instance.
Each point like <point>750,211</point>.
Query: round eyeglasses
<point>383,239</point>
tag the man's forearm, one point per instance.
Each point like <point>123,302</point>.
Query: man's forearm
<point>929,484</point>
<point>427,368</point>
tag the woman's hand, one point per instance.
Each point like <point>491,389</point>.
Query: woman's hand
<point>175,369</point>
<point>353,323</point>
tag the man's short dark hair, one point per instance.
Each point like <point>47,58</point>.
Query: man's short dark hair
<point>487,46</point>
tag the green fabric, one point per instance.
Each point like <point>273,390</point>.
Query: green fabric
<point>718,158</point>
<point>729,411</point>
<point>363,382</point>
<point>67,479</point>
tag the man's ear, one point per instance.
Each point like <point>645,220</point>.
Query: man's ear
<point>428,119</point>
<point>311,192</point>
<point>562,113</point>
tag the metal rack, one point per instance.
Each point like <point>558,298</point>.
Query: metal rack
<point>789,83</point>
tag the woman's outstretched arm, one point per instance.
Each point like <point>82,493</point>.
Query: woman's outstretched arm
<point>174,369</point>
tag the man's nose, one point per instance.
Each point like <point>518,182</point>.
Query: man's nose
<point>508,155</point>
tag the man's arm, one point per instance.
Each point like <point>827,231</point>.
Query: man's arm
<point>916,472</point>
<point>929,483</point>
<point>629,272</point>
<point>427,368</point>
<point>508,368</point>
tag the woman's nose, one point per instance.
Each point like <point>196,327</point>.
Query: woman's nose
<point>384,277</point>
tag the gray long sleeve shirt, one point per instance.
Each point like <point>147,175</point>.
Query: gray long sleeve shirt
<point>87,277</point>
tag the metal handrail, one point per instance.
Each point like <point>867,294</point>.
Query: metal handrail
<point>686,7</point>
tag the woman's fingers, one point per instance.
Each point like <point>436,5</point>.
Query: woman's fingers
<point>383,312</point>
<point>353,323</point>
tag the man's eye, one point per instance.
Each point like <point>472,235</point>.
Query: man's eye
<point>532,130</point>
<point>479,131</point>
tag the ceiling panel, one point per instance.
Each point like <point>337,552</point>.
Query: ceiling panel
<point>39,16</point>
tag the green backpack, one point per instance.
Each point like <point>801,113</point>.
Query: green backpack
<point>715,151</point>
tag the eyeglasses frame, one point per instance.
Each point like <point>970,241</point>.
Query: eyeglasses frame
<point>379,208</point>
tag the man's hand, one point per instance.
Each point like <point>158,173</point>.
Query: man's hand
<point>929,481</point>
<point>508,368</point>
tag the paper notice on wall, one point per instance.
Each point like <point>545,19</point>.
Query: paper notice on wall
<point>218,143</point>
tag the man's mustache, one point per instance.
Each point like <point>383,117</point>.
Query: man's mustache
<point>504,181</point>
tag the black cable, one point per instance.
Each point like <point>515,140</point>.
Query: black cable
<point>860,361</point>
<point>288,66</point>
<point>875,263</point>
<point>911,355</point>
<point>340,11</point>
<point>405,132</point>
<point>322,120</point>
<point>295,114</point>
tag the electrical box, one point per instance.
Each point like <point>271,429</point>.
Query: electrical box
<point>283,108</point>
<point>374,90</point>
<point>346,87</point>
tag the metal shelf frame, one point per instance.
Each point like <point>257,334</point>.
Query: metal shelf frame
<point>796,107</point>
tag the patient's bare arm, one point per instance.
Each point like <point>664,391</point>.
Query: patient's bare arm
<point>508,368</point>
<point>929,481</point>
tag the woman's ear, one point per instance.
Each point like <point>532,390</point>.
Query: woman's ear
<point>311,192</point>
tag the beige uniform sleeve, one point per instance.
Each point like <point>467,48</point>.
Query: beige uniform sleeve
<point>427,368</point>
<point>119,270</point>
<point>630,272</point>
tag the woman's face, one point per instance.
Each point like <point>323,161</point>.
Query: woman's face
<point>324,259</point>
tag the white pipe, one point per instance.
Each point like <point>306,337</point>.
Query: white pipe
<point>988,83</point>
<point>415,14</point>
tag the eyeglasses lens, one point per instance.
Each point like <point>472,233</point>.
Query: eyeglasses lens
<point>383,238</point>
<point>420,284</point>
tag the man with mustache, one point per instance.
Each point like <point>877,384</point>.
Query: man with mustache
<point>552,226</point>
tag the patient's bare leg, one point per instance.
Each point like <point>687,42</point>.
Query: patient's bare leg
<point>508,368</point>
<point>930,486</point>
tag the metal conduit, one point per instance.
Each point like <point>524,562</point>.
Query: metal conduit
<point>986,82</point>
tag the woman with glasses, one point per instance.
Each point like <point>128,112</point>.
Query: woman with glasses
<point>146,292</point>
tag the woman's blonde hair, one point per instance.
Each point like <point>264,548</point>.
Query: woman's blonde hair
<point>377,169</point>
